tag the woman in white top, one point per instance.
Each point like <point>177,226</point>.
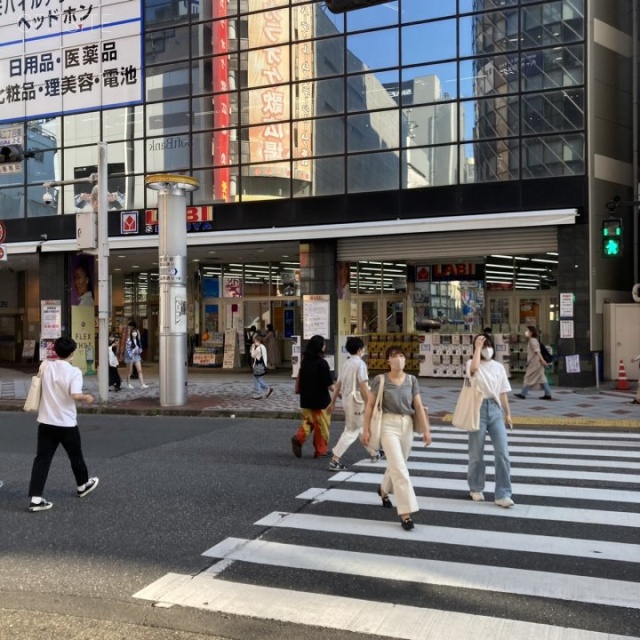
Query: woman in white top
<point>259,356</point>
<point>490,378</point>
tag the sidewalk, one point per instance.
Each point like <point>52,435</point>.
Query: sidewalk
<point>214,392</point>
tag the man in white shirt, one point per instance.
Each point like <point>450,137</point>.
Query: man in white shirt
<point>57,415</point>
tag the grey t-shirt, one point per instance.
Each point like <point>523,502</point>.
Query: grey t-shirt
<point>397,399</point>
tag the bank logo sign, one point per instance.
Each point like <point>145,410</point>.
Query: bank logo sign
<point>67,56</point>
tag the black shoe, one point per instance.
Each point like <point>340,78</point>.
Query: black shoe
<point>296,447</point>
<point>407,524</point>
<point>385,499</point>
<point>546,398</point>
<point>633,402</point>
<point>519,395</point>
<point>92,483</point>
<point>269,392</point>
<point>43,505</point>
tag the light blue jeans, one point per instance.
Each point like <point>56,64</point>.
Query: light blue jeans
<point>259,384</point>
<point>491,422</point>
<point>545,386</point>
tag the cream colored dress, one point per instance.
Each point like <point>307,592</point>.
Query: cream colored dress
<point>534,375</point>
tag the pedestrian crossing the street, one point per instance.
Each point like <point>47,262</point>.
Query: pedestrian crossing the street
<point>563,563</point>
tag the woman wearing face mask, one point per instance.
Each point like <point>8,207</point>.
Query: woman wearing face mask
<point>133,357</point>
<point>490,378</point>
<point>400,401</point>
<point>534,374</point>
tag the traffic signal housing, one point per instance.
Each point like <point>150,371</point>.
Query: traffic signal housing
<point>11,153</point>
<point>612,238</point>
<point>341,6</point>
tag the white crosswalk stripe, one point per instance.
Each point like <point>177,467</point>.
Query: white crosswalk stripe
<point>571,538</point>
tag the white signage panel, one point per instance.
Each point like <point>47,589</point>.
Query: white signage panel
<point>566,305</point>
<point>67,57</point>
<point>315,314</point>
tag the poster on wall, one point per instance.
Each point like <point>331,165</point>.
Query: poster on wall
<point>83,331</point>
<point>315,314</point>
<point>50,318</point>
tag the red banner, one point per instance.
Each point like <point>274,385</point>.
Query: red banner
<point>220,38</point>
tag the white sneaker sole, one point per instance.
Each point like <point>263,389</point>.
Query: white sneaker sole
<point>86,492</point>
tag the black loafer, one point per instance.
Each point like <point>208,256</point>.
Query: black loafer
<point>385,499</point>
<point>296,447</point>
<point>407,524</point>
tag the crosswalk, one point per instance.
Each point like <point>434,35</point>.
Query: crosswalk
<point>563,564</point>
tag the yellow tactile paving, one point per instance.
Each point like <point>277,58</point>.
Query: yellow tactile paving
<point>569,422</point>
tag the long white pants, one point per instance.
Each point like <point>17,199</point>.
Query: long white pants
<point>396,439</point>
<point>352,429</point>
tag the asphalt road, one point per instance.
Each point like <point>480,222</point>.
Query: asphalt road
<point>173,488</point>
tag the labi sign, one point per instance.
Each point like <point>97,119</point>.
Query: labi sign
<point>198,219</point>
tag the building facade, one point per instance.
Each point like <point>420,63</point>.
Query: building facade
<point>428,165</point>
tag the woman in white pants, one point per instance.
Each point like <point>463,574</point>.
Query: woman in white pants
<point>400,401</point>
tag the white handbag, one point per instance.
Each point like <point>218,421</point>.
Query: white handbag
<point>32,403</point>
<point>467,412</point>
<point>375,424</point>
<point>353,404</point>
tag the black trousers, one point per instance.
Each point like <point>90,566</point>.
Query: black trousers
<point>49,437</point>
<point>114,377</point>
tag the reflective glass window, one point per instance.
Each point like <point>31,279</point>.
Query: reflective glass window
<point>553,111</point>
<point>372,91</point>
<point>373,172</point>
<point>486,76</point>
<point>433,124</point>
<point>552,156</point>
<point>429,83</point>
<point>122,124</point>
<point>328,56</point>
<point>169,81</point>
<point>318,98</point>
<point>268,28</point>
<point>488,33</point>
<point>383,15</point>
<point>496,117</point>
<point>429,166</point>
<point>553,23</point>
<point>268,180</point>
<point>414,10</point>
<point>327,136</point>
<point>429,42</point>
<point>169,153</point>
<point>168,117</point>
<point>374,50</point>
<point>166,45</point>
<point>373,131</point>
<point>490,161</point>
<point>327,178</point>
<point>82,128</point>
<point>551,68</point>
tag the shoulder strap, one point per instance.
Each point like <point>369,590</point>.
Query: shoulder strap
<point>380,390</point>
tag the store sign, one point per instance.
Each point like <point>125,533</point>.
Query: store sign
<point>65,57</point>
<point>198,219</point>
<point>450,271</point>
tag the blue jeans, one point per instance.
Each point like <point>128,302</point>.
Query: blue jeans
<point>259,384</point>
<point>491,422</point>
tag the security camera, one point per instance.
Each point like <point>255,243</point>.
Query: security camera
<point>47,197</point>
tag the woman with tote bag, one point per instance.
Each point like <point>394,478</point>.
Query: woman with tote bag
<point>400,403</point>
<point>490,378</point>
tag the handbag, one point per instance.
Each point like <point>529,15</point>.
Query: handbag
<point>420,425</point>
<point>354,404</point>
<point>32,403</point>
<point>467,412</point>
<point>258,368</point>
<point>375,424</point>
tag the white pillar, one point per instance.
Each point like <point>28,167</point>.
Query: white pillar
<point>172,264</point>
<point>104,303</point>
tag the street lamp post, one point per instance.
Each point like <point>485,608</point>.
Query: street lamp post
<point>172,267</point>
<point>102,252</point>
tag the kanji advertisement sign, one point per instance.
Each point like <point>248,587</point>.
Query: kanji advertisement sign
<point>68,56</point>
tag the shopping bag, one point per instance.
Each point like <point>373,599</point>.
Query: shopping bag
<point>467,412</point>
<point>32,403</point>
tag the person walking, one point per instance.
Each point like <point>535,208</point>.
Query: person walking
<point>259,360</point>
<point>400,402</point>
<point>273,348</point>
<point>636,400</point>
<point>534,375</point>
<point>115,380</point>
<point>490,378</point>
<point>133,358</point>
<point>353,387</point>
<point>57,418</point>
<point>315,383</point>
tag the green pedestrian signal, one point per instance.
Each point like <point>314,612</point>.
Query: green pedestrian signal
<point>612,238</point>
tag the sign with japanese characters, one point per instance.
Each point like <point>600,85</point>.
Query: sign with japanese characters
<point>68,56</point>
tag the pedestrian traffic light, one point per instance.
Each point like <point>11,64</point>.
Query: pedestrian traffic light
<point>11,153</point>
<point>612,238</point>
<point>340,6</point>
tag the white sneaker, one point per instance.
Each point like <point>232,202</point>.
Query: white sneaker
<point>129,386</point>
<point>144,386</point>
<point>505,502</point>
<point>477,496</point>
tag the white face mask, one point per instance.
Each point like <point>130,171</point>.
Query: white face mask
<point>527,334</point>
<point>397,362</point>
<point>487,353</point>
<point>134,335</point>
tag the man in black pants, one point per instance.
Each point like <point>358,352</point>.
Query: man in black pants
<point>57,415</point>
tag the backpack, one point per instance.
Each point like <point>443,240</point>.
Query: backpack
<point>544,352</point>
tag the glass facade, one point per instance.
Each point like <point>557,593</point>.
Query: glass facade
<point>263,99</point>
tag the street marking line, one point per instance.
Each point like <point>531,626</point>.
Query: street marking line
<point>539,584</point>
<point>517,439</point>
<point>487,508</point>
<point>452,431</point>
<point>350,614</point>
<point>537,490</point>
<point>478,538</point>
<point>540,420</point>
<point>463,446</point>
<point>560,474</point>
